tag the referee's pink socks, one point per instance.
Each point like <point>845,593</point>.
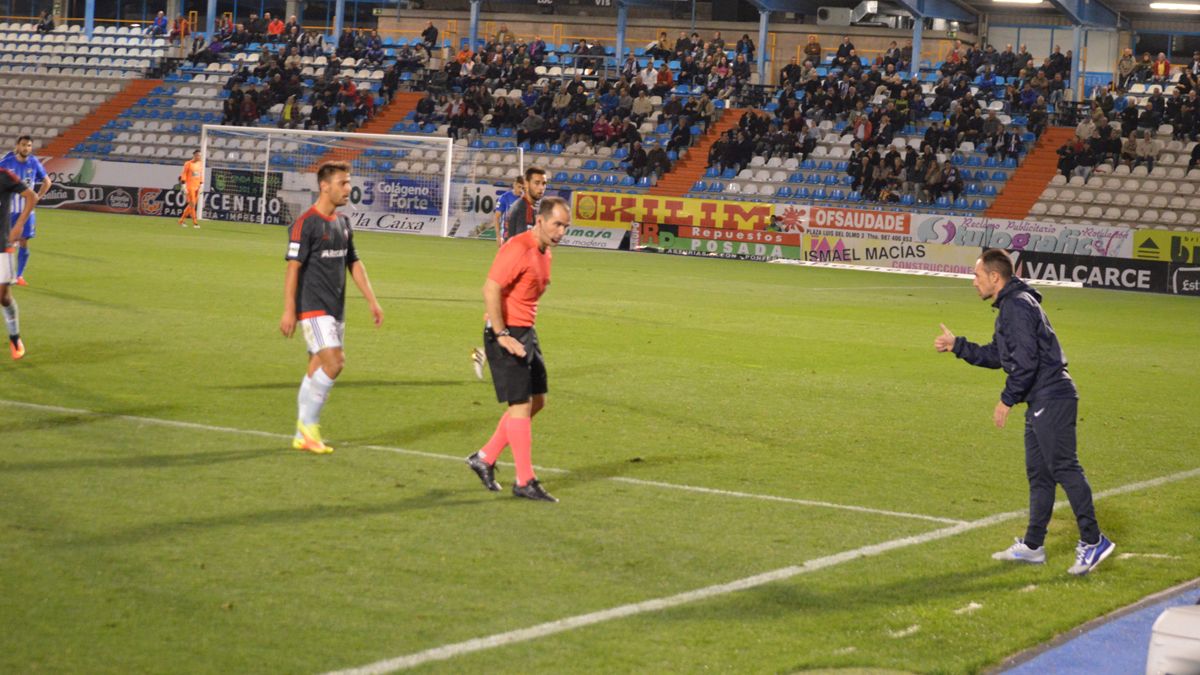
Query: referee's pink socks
<point>491,450</point>
<point>520,437</point>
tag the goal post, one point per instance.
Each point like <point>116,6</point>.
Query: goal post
<point>399,183</point>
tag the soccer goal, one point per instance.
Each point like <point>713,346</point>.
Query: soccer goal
<point>413,184</point>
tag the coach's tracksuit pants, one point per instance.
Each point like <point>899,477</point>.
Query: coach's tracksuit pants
<point>1050,460</point>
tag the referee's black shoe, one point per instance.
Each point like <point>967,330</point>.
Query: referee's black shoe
<point>533,490</point>
<point>485,471</point>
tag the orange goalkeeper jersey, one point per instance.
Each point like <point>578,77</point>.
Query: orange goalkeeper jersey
<point>192,175</point>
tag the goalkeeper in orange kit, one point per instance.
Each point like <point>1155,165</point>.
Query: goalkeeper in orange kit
<point>192,177</point>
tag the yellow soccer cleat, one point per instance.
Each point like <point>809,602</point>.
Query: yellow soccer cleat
<point>16,348</point>
<point>308,439</point>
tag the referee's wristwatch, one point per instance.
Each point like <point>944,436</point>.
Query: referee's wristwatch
<point>504,333</point>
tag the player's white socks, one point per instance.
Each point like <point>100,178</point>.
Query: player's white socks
<point>319,385</point>
<point>10,318</point>
<point>302,399</point>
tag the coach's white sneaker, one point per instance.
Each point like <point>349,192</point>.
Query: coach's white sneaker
<point>1019,552</point>
<point>478,358</point>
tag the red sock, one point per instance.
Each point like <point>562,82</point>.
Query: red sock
<point>491,450</point>
<point>520,437</point>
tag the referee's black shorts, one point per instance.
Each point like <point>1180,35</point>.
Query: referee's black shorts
<point>516,379</point>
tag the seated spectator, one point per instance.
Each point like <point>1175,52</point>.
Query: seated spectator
<point>249,112</point>
<point>289,117</point>
<point>179,30</point>
<point>636,164</point>
<point>745,47</point>
<point>1146,151</point>
<point>275,28</point>
<point>345,44</point>
<point>429,38</point>
<point>343,118</point>
<point>642,108</point>
<point>532,128</point>
<point>46,23</point>
<point>1195,158</point>
<point>681,135</point>
<point>657,162</point>
<point>158,28</point>
<point>1160,71</point>
<point>318,117</point>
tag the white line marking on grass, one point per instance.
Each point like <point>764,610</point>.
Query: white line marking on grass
<point>1155,556</point>
<point>911,630</point>
<point>453,650</point>
<point>968,608</point>
<point>452,458</point>
<point>787,500</point>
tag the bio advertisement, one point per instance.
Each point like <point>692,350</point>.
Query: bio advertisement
<point>716,242</point>
<point>603,209</point>
<point>1176,247</point>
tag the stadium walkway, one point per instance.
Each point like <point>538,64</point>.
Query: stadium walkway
<point>679,180</point>
<point>1116,644</point>
<point>1029,181</point>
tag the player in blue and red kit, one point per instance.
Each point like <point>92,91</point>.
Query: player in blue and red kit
<point>29,171</point>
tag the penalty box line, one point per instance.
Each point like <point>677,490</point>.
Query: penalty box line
<point>450,651</point>
<point>433,455</point>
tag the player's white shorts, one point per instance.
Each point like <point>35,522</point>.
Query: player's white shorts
<point>8,267</point>
<point>322,332</point>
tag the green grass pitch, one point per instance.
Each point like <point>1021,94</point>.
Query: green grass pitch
<point>129,545</point>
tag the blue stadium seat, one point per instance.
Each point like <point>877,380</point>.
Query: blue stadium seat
<point>819,194</point>
<point>989,190</point>
<point>907,200</point>
<point>560,177</point>
<point>797,177</point>
<point>962,203</point>
<point>808,165</point>
<point>591,165</point>
<point>831,179</point>
<point>610,180</point>
<point>645,182</point>
<point>490,131</point>
<point>784,191</point>
<point>578,178</point>
<point>842,167</point>
<point>729,174</point>
<point>854,196</point>
<point>801,193</point>
<point>837,195</point>
<point>999,176</point>
<point>825,165</point>
<point>699,186</point>
<point>712,172</point>
<point>974,160</point>
<point>813,179</point>
<point>716,187</point>
<point>971,189</point>
<point>942,202</point>
<point>991,162</point>
<point>539,148</point>
<point>493,145</point>
<point>846,180</point>
<point>556,149</point>
<point>978,205</point>
<point>1010,163</point>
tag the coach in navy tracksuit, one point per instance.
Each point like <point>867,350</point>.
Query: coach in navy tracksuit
<point>1025,346</point>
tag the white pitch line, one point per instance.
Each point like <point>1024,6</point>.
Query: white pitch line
<point>786,500</point>
<point>456,649</point>
<point>452,458</point>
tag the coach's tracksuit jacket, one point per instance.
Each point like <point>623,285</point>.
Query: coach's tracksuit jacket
<point>1025,346</point>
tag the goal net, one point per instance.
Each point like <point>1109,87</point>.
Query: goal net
<point>412,184</point>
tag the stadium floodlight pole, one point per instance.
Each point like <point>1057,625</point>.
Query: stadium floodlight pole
<point>339,19</point>
<point>764,18</point>
<point>210,16</point>
<point>918,27</point>
<point>622,19</point>
<point>262,209</point>
<point>89,18</point>
<point>1076,61</point>
<point>474,32</point>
